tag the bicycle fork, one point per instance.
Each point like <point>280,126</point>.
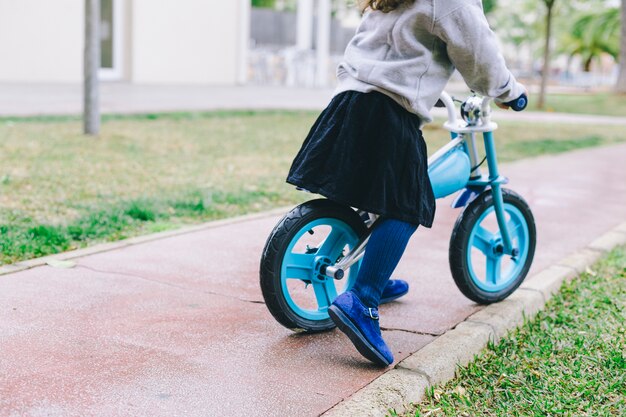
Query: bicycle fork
<point>496,181</point>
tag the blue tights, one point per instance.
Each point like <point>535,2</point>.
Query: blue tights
<point>384,250</point>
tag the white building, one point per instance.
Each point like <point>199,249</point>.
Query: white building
<point>143,41</point>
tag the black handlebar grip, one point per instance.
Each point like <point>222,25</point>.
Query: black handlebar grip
<point>518,104</point>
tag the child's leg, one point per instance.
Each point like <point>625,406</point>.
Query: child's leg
<point>384,250</point>
<point>355,312</point>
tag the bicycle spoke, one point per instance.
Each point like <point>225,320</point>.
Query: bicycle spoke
<point>493,269</point>
<point>321,296</point>
<point>299,266</point>
<point>482,240</point>
<point>330,246</point>
<point>331,290</point>
<point>514,229</point>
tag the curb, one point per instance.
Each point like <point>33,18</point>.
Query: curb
<point>437,362</point>
<point>106,247</point>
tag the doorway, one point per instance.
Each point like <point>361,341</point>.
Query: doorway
<point>111,39</point>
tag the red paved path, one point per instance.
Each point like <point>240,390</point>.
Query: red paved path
<point>175,327</point>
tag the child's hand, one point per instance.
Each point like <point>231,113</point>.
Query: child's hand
<point>502,105</point>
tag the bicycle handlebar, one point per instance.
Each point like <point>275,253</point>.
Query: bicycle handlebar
<point>518,104</point>
<point>475,103</point>
<point>448,103</point>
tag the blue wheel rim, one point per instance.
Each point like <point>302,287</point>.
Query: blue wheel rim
<point>320,292</point>
<point>499,270</point>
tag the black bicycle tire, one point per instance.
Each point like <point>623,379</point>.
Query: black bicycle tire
<point>273,253</point>
<point>459,242</point>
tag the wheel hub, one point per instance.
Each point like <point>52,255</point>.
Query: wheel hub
<point>497,249</point>
<point>320,264</point>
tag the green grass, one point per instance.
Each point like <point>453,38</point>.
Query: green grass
<point>23,238</point>
<point>550,146</point>
<point>60,190</point>
<point>183,115</point>
<point>606,104</point>
<point>570,360</point>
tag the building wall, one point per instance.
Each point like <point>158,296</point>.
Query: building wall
<point>186,41</point>
<point>41,40</point>
<point>165,41</point>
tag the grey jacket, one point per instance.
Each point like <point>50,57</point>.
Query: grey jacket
<point>410,54</point>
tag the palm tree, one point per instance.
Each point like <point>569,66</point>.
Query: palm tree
<point>593,35</point>
<point>621,80</point>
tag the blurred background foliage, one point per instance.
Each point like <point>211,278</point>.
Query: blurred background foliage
<point>545,38</point>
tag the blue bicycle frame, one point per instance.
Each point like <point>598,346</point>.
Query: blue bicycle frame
<point>455,167</point>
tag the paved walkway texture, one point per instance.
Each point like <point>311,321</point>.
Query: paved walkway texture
<point>177,326</point>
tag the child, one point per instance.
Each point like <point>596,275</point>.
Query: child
<point>366,149</point>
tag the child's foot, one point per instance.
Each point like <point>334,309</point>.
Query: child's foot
<point>360,324</point>
<point>394,289</point>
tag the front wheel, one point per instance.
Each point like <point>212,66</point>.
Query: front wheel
<point>313,235</point>
<point>480,267</point>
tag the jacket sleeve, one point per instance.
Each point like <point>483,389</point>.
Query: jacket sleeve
<point>473,49</point>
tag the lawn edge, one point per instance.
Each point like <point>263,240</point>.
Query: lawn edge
<point>438,361</point>
<point>110,246</point>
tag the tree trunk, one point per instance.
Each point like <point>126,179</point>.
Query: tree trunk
<point>587,66</point>
<point>545,73</point>
<point>91,109</point>
<point>621,80</point>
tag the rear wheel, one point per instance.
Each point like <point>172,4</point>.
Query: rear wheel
<point>313,235</point>
<point>479,266</point>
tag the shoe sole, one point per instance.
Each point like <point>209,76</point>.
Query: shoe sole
<point>392,298</point>
<point>365,348</point>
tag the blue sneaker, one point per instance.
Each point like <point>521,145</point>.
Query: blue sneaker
<point>360,324</point>
<point>394,289</point>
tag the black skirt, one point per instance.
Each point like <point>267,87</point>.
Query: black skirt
<point>366,151</point>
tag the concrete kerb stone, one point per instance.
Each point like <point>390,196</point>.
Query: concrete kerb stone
<point>621,228</point>
<point>532,301</point>
<point>549,281</point>
<point>78,253</point>
<point>500,317</point>
<point>106,247</point>
<point>608,241</point>
<point>438,361</point>
<point>393,390</point>
<point>9,269</point>
<point>580,260</point>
